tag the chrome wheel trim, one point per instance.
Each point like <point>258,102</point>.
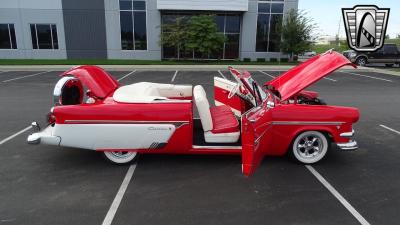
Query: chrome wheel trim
<point>120,157</point>
<point>310,147</point>
<point>120,154</point>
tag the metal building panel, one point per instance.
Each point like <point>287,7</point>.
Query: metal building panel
<point>212,5</point>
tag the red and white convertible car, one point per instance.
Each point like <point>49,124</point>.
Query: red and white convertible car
<point>250,120</point>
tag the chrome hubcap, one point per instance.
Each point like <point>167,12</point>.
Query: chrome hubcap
<point>309,146</point>
<point>121,154</point>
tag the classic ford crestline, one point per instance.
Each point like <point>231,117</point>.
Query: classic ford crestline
<point>249,120</point>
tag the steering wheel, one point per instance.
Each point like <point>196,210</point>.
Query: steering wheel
<point>248,94</point>
<point>233,91</point>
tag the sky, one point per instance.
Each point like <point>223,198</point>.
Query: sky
<point>327,13</point>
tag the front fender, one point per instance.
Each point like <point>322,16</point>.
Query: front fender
<point>291,119</point>
<point>284,134</point>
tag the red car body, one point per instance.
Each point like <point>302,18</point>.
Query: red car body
<point>268,127</point>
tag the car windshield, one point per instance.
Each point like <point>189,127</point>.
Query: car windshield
<point>252,84</point>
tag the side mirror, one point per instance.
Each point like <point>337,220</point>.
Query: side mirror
<point>270,104</point>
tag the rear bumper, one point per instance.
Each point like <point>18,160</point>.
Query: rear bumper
<point>348,146</point>
<point>44,136</point>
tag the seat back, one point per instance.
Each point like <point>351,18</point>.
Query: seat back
<point>200,99</point>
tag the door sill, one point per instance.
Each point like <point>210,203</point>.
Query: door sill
<point>217,147</point>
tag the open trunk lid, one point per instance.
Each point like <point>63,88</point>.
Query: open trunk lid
<point>307,73</point>
<point>97,80</point>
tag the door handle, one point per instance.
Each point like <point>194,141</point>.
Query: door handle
<point>225,91</point>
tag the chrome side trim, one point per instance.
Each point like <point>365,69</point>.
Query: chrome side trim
<point>347,134</point>
<point>157,145</point>
<point>180,124</point>
<point>123,121</point>
<point>263,133</point>
<point>177,124</point>
<point>216,147</point>
<point>351,145</point>
<point>164,101</point>
<point>306,123</point>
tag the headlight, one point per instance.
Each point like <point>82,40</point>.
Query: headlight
<point>352,54</point>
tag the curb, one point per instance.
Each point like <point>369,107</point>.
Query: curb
<point>185,67</point>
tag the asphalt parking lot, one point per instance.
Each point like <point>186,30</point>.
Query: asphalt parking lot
<point>42,185</point>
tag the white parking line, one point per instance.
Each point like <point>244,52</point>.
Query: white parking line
<point>338,196</point>
<point>126,75</point>
<point>173,78</point>
<point>391,129</point>
<point>14,135</point>
<point>222,75</point>
<point>120,194</point>
<point>274,76</point>
<point>330,79</point>
<point>266,73</point>
<point>31,75</point>
<point>361,75</point>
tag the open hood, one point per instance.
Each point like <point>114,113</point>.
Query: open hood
<point>98,81</point>
<point>307,73</point>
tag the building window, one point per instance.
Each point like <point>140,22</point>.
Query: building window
<point>133,25</point>
<point>7,36</point>
<point>44,36</point>
<point>270,14</point>
<point>228,24</point>
<point>232,34</point>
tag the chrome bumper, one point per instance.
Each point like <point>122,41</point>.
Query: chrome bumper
<point>347,134</point>
<point>348,146</point>
<point>351,145</point>
<point>43,137</point>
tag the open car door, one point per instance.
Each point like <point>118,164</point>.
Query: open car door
<point>256,140</point>
<point>222,87</point>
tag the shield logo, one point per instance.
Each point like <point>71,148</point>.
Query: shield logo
<point>365,26</point>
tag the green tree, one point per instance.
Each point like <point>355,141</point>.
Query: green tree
<point>297,33</point>
<point>203,35</point>
<point>175,35</point>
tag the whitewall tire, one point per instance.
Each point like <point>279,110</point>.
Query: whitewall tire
<point>309,147</point>
<point>120,157</point>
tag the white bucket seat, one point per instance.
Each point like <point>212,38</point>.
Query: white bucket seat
<point>219,123</point>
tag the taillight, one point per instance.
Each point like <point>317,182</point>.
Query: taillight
<point>50,118</point>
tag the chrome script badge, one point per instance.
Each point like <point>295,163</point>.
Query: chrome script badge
<point>365,26</point>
